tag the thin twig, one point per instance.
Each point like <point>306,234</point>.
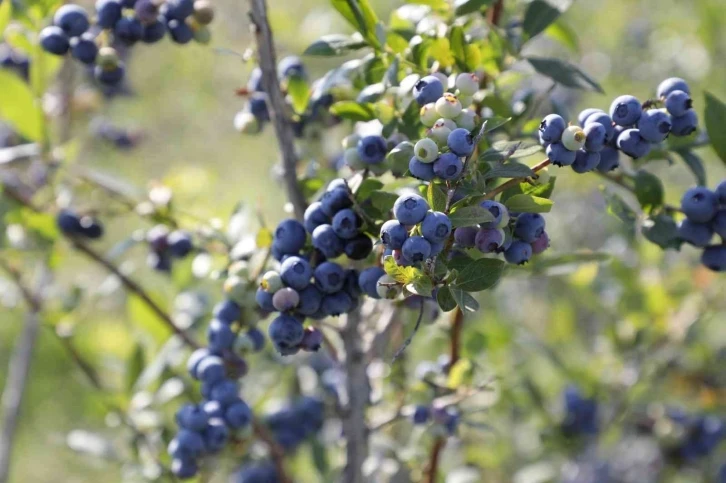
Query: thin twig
<point>494,13</point>
<point>277,453</point>
<point>514,181</point>
<point>457,325</point>
<point>409,339</point>
<point>267,59</point>
<point>433,466</point>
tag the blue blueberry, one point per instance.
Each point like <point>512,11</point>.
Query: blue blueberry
<point>220,336</point>
<point>238,415</point>
<point>541,244</point>
<point>312,340</point>
<point>213,409</point>
<point>684,125</point>
<point>670,85</point>
<point>694,233</point>
<point>337,303</point>
<point>180,243</point>
<point>108,12</point>
<point>448,166</point>
<point>584,115</point>
<point>372,149</point>
<point>285,299</point>
<point>559,155</point>
<point>192,417</point>
<point>654,125</point>
<point>721,192</point>
<point>416,249</point>
<point>410,209</point>
<point>290,66</point>
<point>211,370</point>
<point>225,392</point>
<point>595,137</point>
<point>393,234</point>
<point>72,18</point>
<point>146,11</point>
<point>180,32</point>
<point>215,435</point>
<point>461,142</point>
<point>633,144</point>
<point>605,121</point>
<point>678,103</point>
<point>498,211</point>
<point>285,332</point>
<point>264,300</point>
<point>585,161</point>
<point>329,277</point>
<point>194,359</point>
<point>609,160</point>
<point>617,131</point>
<point>368,280</point>
<point>359,247</point>
<point>465,236</point>
<point>428,90</point>
<point>327,241</point>
<point>419,170</point>
<point>84,48</point>
<point>257,103</point>
<point>128,30</point>
<point>346,224</point>
<point>178,9</point>
<point>489,240</point>
<point>290,236</point>
<point>518,253</point>
<point>315,216</point>
<point>714,258</point>
<point>529,226</point>
<point>186,445</point>
<point>257,338</point>
<point>421,414</point>
<point>700,204</point>
<point>296,272</point>
<point>551,128</point>
<point>54,40</point>
<point>625,110</point>
<point>227,311</point>
<point>154,31</point>
<point>334,200</point>
<point>401,260</point>
<point>68,222</point>
<point>263,472</point>
<point>436,227</point>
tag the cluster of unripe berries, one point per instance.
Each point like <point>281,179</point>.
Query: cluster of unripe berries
<point>518,237</point>
<point>631,127</point>
<point>72,224</point>
<point>705,212</point>
<point>127,21</point>
<point>166,245</point>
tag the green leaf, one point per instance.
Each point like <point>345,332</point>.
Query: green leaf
<point>353,111</point>
<point>695,164</point>
<point>399,158</point>
<point>434,4</point>
<point>564,73</point>
<point>299,91</point>
<point>663,231</point>
<point>564,34</point>
<point>464,300</point>
<point>6,13</point>
<point>404,275</point>
<point>383,200</point>
<point>493,123</point>
<point>469,216</point>
<point>366,187</point>
<point>715,122</point>
<point>619,208</point>
<point>457,39</point>
<point>361,16</point>
<point>529,204</point>
<point>461,373</point>
<point>134,367</point>
<point>264,238</point>
<point>436,197</point>
<point>503,150</point>
<point>390,79</point>
<point>334,44</point>
<point>464,7</point>
<point>145,319</point>
<point>18,106</point>
<point>422,285</point>
<point>508,170</point>
<point>648,189</point>
<point>539,15</point>
<point>445,299</point>
<point>480,275</point>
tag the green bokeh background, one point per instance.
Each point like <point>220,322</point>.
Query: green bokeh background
<point>184,104</point>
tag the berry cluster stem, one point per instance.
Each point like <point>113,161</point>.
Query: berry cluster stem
<point>514,181</point>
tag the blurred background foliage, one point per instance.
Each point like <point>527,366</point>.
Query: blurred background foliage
<point>647,327</point>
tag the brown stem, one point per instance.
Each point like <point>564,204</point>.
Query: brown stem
<point>433,466</point>
<point>457,325</point>
<point>494,13</point>
<point>514,181</point>
<point>267,59</point>
<point>277,453</point>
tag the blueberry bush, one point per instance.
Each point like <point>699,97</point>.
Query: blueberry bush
<point>382,328</point>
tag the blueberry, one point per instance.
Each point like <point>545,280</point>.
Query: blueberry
<point>541,244</point>
<point>595,134</point>
<point>625,110</point>
<point>721,192</point>
<point>337,303</point>
<point>187,445</point>
<point>184,467</point>
<point>290,66</point>
<point>108,12</point>
<point>419,170</point>
<point>155,31</point>
<point>180,243</point>
<point>128,30</point>
<point>694,233</point>
<point>146,11</point>
<point>421,415</point>
<point>416,249</point>
<point>325,240</point>
<point>498,211</point>
<point>428,90</point>
<point>585,161</point>
<point>714,258</point>
<point>678,103</point>
<point>194,359</point>
<point>465,236</point>
<point>227,311</point>
<point>436,227</point>
<point>264,300</point>
<point>401,260</point>
<point>617,131</point>
<point>203,12</point>
<point>210,369</point>
<point>468,84</point>
<point>263,472</point>
<point>461,142</point>
<point>346,224</point>
<point>684,125</point>
<point>178,9</point>
<point>315,216</point>
<point>393,234</point>
<point>109,75</point>
<point>372,149</point>
<point>559,155</point>
<point>605,121</point>
<point>192,417</point>
<point>410,209</point>
<point>73,19</point>
<point>329,277</point>
<point>518,253</point>
<point>296,272</point>
<point>286,332</point>
<point>91,228</point>
<point>257,338</point>
<point>654,125</point>
<point>254,83</point>
<point>700,204</point>
<point>68,222</point>
<point>489,240</point>
<point>585,114</point>
<point>573,138</point>
<point>285,299</point>
<point>359,247</point>
<point>215,435</point>
<point>238,415</point>
<point>368,280</point>
<point>529,226</point>
<point>426,150</point>
<point>449,166</point>
<point>290,236</point>
<point>334,200</point>
<point>220,336</point>
<point>448,106</point>
<point>84,48</point>
<point>719,224</point>
<point>180,32</point>
<point>54,40</point>
<point>312,340</point>
<point>632,143</point>
<point>428,115</point>
<point>670,85</point>
<point>609,160</point>
<point>551,128</point>
<point>225,392</point>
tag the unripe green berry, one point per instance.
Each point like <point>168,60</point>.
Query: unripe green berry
<point>246,123</point>
<point>107,57</point>
<point>351,141</point>
<point>203,12</point>
<point>352,159</point>
<point>448,106</point>
<point>543,176</point>
<point>468,84</point>
<point>466,101</point>
<point>380,168</point>
<point>440,132</point>
<point>466,120</point>
<point>236,289</point>
<point>428,114</point>
<point>387,287</point>
<point>271,282</point>
<point>202,34</point>
<point>573,138</point>
<point>426,150</point>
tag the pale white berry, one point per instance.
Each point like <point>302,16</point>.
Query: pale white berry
<point>271,282</point>
<point>573,138</point>
<point>468,84</point>
<point>352,159</point>
<point>428,114</point>
<point>426,150</point>
<point>387,287</point>
<point>466,120</point>
<point>448,106</point>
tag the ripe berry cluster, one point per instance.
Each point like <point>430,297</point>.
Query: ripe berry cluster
<point>705,212</point>
<point>128,21</point>
<point>581,413</point>
<point>701,435</point>
<point>445,416</point>
<point>630,127</point>
<point>518,236</point>
<point>166,245</point>
<point>72,224</point>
